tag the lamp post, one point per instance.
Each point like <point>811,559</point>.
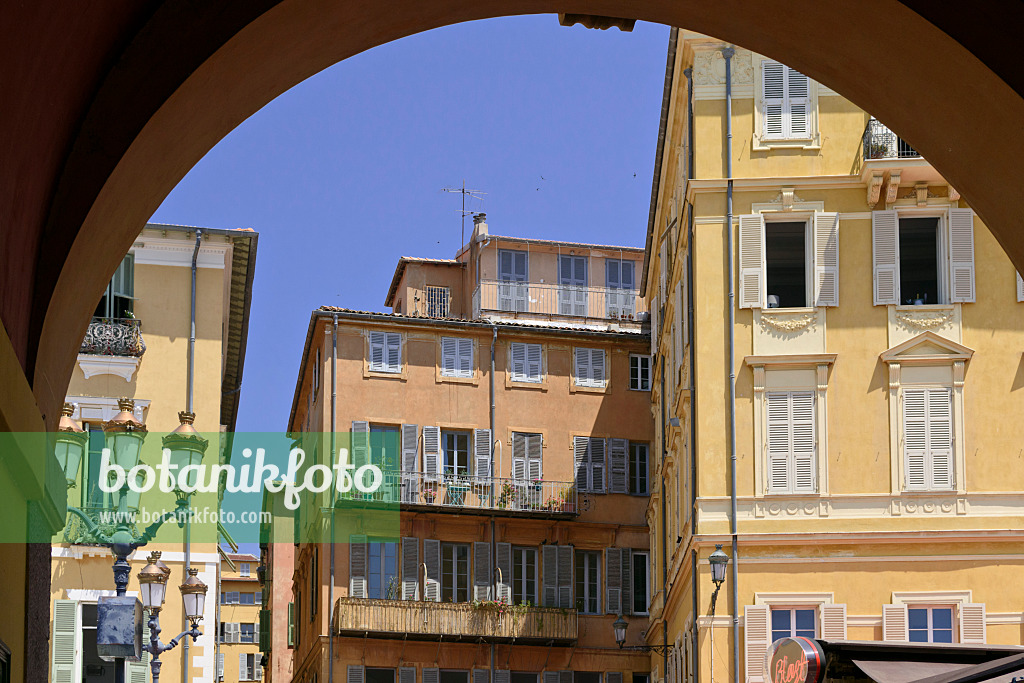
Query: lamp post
<point>718,561</point>
<point>71,442</point>
<point>153,588</point>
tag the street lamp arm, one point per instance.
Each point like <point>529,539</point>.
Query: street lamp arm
<point>150,531</point>
<point>90,525</point>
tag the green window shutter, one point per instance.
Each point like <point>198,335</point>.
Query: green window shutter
<point>291,624</point>
<point>137,670</point>
<point>65,629</point>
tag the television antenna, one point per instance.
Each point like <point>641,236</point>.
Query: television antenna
<point>474,194</point>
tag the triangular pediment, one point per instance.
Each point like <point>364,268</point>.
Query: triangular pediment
<point>927,347</point>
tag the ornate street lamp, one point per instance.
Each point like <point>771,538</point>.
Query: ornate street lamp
<point>153,583</point>
<point>71,443</point>
<point>125,435</point>
<point>187,449</point>
<point>193,594</point>
<point>152,586</point>
<point>719,561</point>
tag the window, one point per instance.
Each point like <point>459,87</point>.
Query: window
<point>456,357</point>
<point>379,675</point>
<point>526,362</point>
<point>119,297</point>
<point>384,447</point>
<point>456,453</point>
<point>524,576</point>
<point>527,456</point>
<point>249,668</point>
<point>586,677</point>
<point>930,624</point>
<point>316,373</point>
<point>385,351</point>
<point>620,293</point>
<point>789,264</point>
<point>382,570</point>
<point>588,456</point>
<point>928,438</point>
<point>229,598</point>
<point>641,582</point>
<point>793,622</point>
<point>639,372</point>
<point>572,290</point>
<point>92,494</point>
<point>523,677</point>
<point>922,259</point>
<point>588,583</point>
<point>314,582</point>
<point>785,103</point>
<point>438,301</point>
<point>513,271</point>
<point>246,598</point>
<point>791,441</point>
<point>638,468</point>
<point>244,569</point>
<point>247,633</point>
<point>590,367</point>
<point>447,676</point>
<point>454,572</point>
<point>291,624</point>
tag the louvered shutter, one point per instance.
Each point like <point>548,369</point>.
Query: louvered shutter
<point>756,636</point>
<point>581,462</point>
<point>596,451</point>
<point>394,352</point>
<point>773,92</point>
<point>258,663</point>
<point>535,456</point>
<point>449,356</point>
<point>407,674</point>
<point>432,580</point>
<point>357,566</point>
<point>565,676</point>
<point>653,313</point>
<point>378,355</point>
<point>430,675</point>
<point>360,443</point>
<point>243,667</point>
<point>626,563</point>
<point>613,677</point>
<point>137,672</point>
<point>502,676</point>
<point>518,362</point>
<point>751,257</point>
<point>826,259</point>
<point>940,437</point>
<point>519,455</point>
<point>410,568</point>
<point>481,676</point>
<point>65,626</point>
<point>972,623</point>
<point>220,665</point>
<point>481,571</point>
<point>549,677</point>
<point>928,438</point>
<point>678,331</point>
<point>803,441</point>
<point>833,622</point>
<point>798,103</point>
<point>961,255</point>
<point>584,373</point>
<point>618,450</point>
<point>915,438</point>
<point>778,441</point>
<point>503,560</point>
<point>534,363</point>
<point>410,464</point>
<point>565,576</point>
<point>1020,288</point>
<point>894,623</point>
<point>885,254</point>
<point>549,575</point>
<point>613,580</point>
<point>432,450</point>
<point>291,624</point>
<point>355,673</point>
<point>482,448</point>
<point>465,352</point>
<point>598,377</point>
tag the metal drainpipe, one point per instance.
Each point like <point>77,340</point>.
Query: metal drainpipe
<point>188,407</point>
<point>494,556</point>
<point>664,534</point>
<point>334,457</point>
<point>728,53</point>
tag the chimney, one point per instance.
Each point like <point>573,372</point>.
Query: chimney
<point>479,227</point>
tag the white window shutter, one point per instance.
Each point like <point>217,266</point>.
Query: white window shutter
<point>357,566</point>
<point>430,675</point>
<point>464,353</point>
<point>549,576</point>
<point>378,355</point>
<point>654,314</point>
<point>940,437</point>
<point>410,568</point>
<point>518,362</point>
<point>613,580</point>
<point>449,360</point>
<point>773,92</point>
<point>534,370</point>
<point>894,623</point>
<point>360,443</point>
<point>778,442</point>
<point>220,665</point>
<point>432,450</point>
<point>65,628</point>
<point>432,580</point>
<point>915,439</point>
<point>678,331</point>
<point>410,444</point>
<point>407,674</point>
<point>756,637</point>
<point>503,560</point>
<point>583,369</point>
<point>597,368</point>
<point>394,352</point>
<point>826,259</point>
<point>751,258</point>
<point>618,450</point>
<point>961,255</point>
<point>833,622</point>
<point>138,672</point>
<point>482,447</point>
<point>885,255</point>
<point>972,623</point>
<point>565,576</point>
<point>481,570</point>
<point>803,441</point>
<point>355,673</point>
<point>798,104</point>
<point>1020,288</point>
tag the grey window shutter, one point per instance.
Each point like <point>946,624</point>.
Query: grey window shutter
<point>65,629</point>
<point>502,676</point>
<point>550,677</point>
<point>961,255</point>
<point>394,352</point>
<point>517,353</point>
<point>407,674</point>
<point>355,673</point>
<point>597,367</point>
<point>464,357</point>
<point>449,359</point>
<point>410,465</point>
<point>627,580</point>
<point>378,356</point>
<point>357,566</point>
<point>549,575</point>
<point>503,560</point>
<point>432,450</point>
<point>885,255</point>
<point>519,455</point>
<point>481,571</point>
<point>410,568</point>
<point>618,450</point>
<point>565,676</point>
<point>613,580</point>
<point>584,373</point>
<point>613,677</point>
<point>481,676</point>
<point>751,260</point>
<point>360,443</point>
<point>597,453</point>
<point>432,581</point>
<point>535,456</point>
<point>826,259</point>
<point>565,576</point>
<point>482,450</point>
<point>534,355</point>
<point>581,462</point>
<point>430,674</point>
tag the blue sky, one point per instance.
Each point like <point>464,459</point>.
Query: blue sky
<point>343,174</point>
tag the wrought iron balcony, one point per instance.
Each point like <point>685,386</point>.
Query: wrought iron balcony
<point>525,299</point>
<point>485,621</point>
<point>881,143</point>
<point>468,494</point>
<point>114,337</point>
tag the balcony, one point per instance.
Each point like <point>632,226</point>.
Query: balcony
<point>885,153</point>
<point>114,337</point>
<point>881,143</point>
<point>531,300</point>
<point>468,495</point>
<point>420,620</point>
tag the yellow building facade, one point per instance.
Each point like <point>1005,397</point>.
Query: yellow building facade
<point>137,347</point>
<point>864,471</point>
<point>241,600</point>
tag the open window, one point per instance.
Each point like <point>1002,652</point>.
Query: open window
<point>119,297</point>
<point>788,262</point>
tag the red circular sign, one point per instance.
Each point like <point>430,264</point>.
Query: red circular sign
<point>795,660</point>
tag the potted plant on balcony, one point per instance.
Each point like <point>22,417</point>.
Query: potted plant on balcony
<point>507,496</point>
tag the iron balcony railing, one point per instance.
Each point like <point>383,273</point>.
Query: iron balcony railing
<point>487,621</point>
<point>881,143</point>
<point>114,337</point>
<point>557,300</point>
<point>464,493</point>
